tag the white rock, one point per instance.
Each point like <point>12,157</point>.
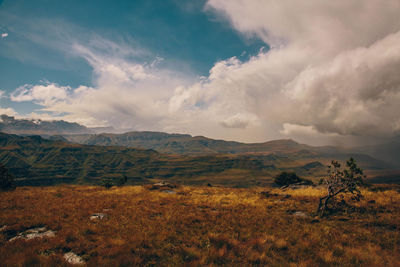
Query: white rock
<point>40,235</point>
<point>97,216</point>
<point>162,183</point>
<point>300,214</point>
<point>72,258</point>
<point>39,232</point>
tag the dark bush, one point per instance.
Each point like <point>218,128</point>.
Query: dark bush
<point>110,182</point>
<point>287,178</point>
<point>121,181</point>
<point>107,183</point>
<point>6,179</point>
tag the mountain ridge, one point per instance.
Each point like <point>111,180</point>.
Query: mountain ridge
<point>183,143</point>
<point>35,160</point>
<point>11,125</point>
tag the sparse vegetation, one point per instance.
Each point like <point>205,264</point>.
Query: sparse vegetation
<point>107,183</point>
<point>197,226</point>
<point>121,180</point>
<point>6,179</point>
<point>338,183</point>
<point>110,182</point>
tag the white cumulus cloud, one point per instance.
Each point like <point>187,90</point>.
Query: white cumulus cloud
<point>333,71</point>
<point>45,95</point>
<point>333,67</point>
<point>8,111</point>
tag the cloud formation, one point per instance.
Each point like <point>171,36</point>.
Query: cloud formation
<point>333,71</point>
<point>126,94</point>
<point>7,111</point>
<point>333,67</point>
<point>46,95</point>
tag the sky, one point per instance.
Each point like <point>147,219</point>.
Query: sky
<point>320,72</point>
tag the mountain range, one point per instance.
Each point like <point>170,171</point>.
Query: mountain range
<point>9,124</point>
<point>35,160</point>
<point>185,144</point>
<point>69,152</point>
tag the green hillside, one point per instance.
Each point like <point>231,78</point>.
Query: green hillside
<point>187,145</point>
<point>35,160</point>
<point>184,144</point>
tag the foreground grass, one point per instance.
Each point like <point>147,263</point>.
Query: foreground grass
<point>197,226</point>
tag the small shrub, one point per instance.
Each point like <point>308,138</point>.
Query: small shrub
<point>287,178</point>
<point>107,183</point>
<point>110,182</point>
<point>6,179</point>
<point>122,180</point>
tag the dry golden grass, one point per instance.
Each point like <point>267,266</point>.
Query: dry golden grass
<point>197,226</point>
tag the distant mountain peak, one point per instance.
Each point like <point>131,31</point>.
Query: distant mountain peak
<point>9,124</point>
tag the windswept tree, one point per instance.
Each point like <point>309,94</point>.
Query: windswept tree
<point>339,182</point>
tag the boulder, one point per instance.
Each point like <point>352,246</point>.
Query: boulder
<point>98,216</point>
<point>72,258</point>
<point>38,232</point>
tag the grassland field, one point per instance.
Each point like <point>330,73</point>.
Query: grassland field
<point>198,226</point>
